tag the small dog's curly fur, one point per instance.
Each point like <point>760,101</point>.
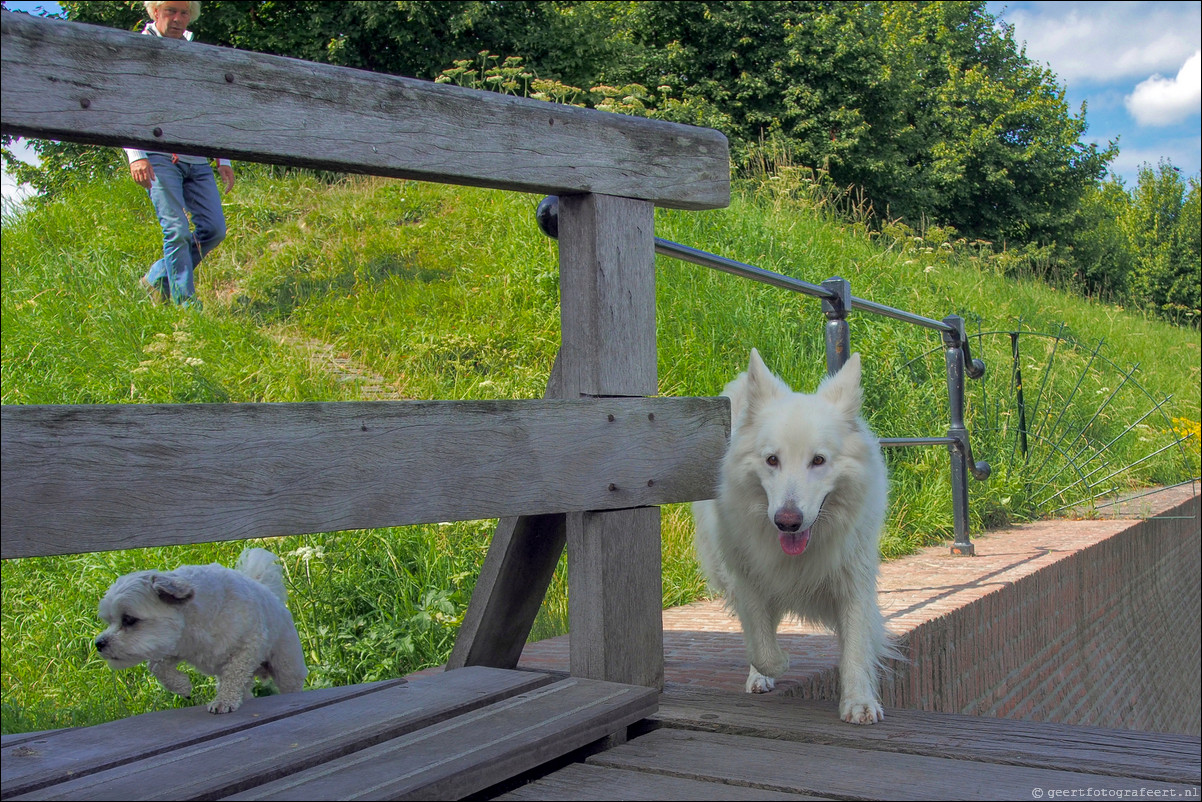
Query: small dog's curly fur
<point>231,624</point>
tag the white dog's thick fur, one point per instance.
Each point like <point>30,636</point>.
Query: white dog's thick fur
<point>231,624</point>
<point>796,526</point>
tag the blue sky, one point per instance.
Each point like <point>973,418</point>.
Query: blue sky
<point>1137,65</point>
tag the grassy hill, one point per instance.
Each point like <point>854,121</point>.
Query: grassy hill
<point>366,288</point>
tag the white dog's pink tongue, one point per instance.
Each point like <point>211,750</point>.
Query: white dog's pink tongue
<point>794,543</point>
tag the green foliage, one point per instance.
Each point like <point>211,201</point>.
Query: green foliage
<point>1102,250</point>
<point>417,39</point>
<point>1141,247</point>
<point>923,115</point>
<point>929,108</point>
<point>1163,224</point>
<point>60,165</point>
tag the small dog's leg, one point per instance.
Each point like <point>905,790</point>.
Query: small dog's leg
<point>231,694</point>
<point>289,674</point>
<point>235,683</point>
<point>172,678</point>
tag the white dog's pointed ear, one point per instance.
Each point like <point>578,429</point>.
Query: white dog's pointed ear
<point>172,589</point>
<point>843,389</point>
<point>762,384</point>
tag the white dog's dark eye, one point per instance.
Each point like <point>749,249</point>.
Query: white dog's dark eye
<point>773,460</point>
<point>128,620</point>
<point>818,460</point>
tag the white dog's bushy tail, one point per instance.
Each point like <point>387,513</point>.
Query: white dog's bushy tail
<point>263,567</point>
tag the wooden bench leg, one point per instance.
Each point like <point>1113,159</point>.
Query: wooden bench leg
<point>616,598</point>
<point>607,320</point>
<point>513,581</point>
<point>607,309</point>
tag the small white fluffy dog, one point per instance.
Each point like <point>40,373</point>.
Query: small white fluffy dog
<point>231,624</point>
<point>796,526</point>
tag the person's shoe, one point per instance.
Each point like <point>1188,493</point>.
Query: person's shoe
<point>155,292</point>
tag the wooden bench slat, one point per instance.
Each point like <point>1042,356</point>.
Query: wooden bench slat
<point>1121,753</point>
<point>89,478</point>
<point>844,772</point>
<point>580,781</point>
<point>48,757</point>
<point>86,83</point>
<point>472,752</point>
<point>255,753</point>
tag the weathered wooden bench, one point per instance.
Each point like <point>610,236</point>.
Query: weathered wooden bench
<point>584,468</point>
<point>443,736</point>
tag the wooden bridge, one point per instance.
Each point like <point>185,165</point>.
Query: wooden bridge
<point>488,733</point>
<point>584,468</point>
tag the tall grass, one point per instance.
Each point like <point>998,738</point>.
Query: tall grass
<point>331,290</point>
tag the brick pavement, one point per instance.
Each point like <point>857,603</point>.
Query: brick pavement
<point>703,646</point>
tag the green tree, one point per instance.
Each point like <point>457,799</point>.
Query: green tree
<point>1102,252</point>
<point>930,109</point>
<point>1162,224</point>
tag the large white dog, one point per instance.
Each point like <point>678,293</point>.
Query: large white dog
<point>231,624</point>
<point>796,526</point>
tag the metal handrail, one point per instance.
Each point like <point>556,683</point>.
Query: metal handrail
<point>837,300</point>
<point>687,254</point>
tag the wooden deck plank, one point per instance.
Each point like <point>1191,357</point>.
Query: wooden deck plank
<point>472,752</point>
<point>190,768</point>
<point>1121,753</point>
<point>31,762</point>
<point>848,772</point>
<point>580,781</point>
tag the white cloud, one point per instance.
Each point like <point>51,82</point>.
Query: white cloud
<point>1165,101</point>
<point>14,194</point>
<point>1095,43</point>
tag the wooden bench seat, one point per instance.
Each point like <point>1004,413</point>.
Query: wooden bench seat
<point>442,736</point>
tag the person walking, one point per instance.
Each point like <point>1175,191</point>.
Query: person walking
<point>179,184</point>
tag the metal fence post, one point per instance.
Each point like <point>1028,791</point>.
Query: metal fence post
<point>1018,389</point>
<point>958,361</point>
<point>838,335</point>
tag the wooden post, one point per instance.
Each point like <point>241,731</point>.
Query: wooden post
<point>607,314</point>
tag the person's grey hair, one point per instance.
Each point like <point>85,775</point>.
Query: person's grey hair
<point>193,6</point>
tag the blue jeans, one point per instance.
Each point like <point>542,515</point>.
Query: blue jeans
<point>180,188</point>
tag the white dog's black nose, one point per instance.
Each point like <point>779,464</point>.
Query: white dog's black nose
<point>788,519</point>
<point>101,642</point>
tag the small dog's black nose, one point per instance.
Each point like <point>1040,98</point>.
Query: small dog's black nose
<point>788,519</point>
<point>101,642</point>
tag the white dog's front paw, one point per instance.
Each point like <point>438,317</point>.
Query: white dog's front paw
<point>758,683</point>
<point>861,711</point>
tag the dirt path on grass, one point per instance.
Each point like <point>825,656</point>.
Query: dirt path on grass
<point>325,357</point>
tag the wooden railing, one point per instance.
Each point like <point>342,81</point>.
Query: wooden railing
<point>585,466</point>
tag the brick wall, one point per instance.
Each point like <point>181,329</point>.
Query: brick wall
<point>1108,636</point>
